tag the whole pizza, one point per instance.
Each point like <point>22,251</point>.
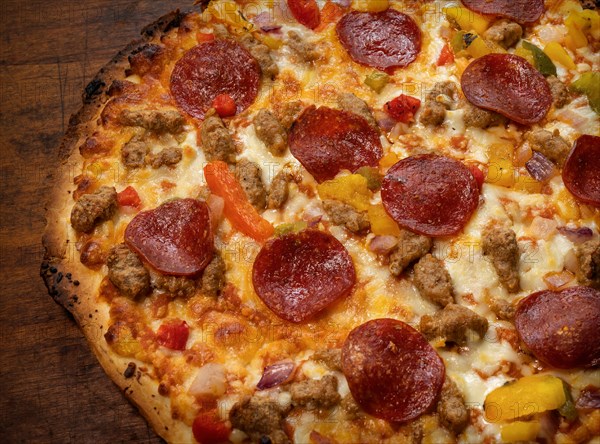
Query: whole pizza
<point>300,221</point>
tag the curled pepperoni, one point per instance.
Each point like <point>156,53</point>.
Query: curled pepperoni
<point>521,11</point>
<point>430,195</point>
<point>581,173</point>
<point>213,68</point>
<point>298,275</point>
<point>392,371</point>
<point>175,238</point>
<point>385,40</point>
<point>562,328</point>
<point>509,85</point>
<point>327,140</point>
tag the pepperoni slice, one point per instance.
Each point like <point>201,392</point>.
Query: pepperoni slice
<point>509,85</point>
<point>562,328</point>
<point>521,11</point>
<point>175,238</point>
<point>213,68</point>
<point>298,275</point>
<point>306,12</point>
<point>384,40</point>
<point>581,173</point>
<point>392,371</point>
<point>430,195</point>
<point>327,140</point>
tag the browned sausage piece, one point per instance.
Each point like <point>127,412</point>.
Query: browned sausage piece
<point>217,143</point>
<point>260,418</point>
<point>481,118</point>
<point>442,97</point>
<point>500,244</point>
<point>588,254</point>
<point>169,156</point>
<point>331,357</point>
<point>550,145</point>
<point>176,285</point>
<point>316,394</point>
<point>349,102</point>
<point>158,122</point>
<point>433,280</point>
<point>249,175</point>
<point>503,309</point>
<point>304,49</point>
<point>454,323</point>
<point>270,131</point>
<point>127,273</point>
<point>288,112</point>
<point>133,153</point>
<point>451,407</point>
<point>213,277</point>
<point>504,32</point>
<point>279,189</point>
<point>343,214</point>
<point>411,247</point>
<point>262,54</point>
<point>560,92</point>
<point>93,208</point>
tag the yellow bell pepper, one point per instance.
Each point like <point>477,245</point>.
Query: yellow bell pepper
<point>501,170</point>
<point>557,53</point>
<point>566,206</point>
<point>388,160</point>
<point>527,55</point>
<point>567,6</point>
<point>592,26</point>
<point>477,46</point>
<point>467,20</point>
<point>528,395</point>
<point>125,344</point>
<point>351,189</point>
<point>270,41</point>
<point>370,5</point>
<point>575,36</point>
<point>524,182</point>
<point>377,80</point>
<point>381,223</point>
<point>520,431</point>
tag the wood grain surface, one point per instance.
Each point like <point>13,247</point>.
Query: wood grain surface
<point>51,387</point>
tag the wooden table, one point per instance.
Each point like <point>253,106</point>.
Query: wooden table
<point>51,387</point>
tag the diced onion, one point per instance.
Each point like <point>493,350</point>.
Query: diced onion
<point>383,244</point>
<point>384,120</point>
<point>275,374</point>
<point>577,235</point>
<point>542,228</point>
<point>555,281</point>
<point>540,167</point>
<point>210,380</point>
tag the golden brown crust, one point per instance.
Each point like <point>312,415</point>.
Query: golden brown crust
<point>74,286</point>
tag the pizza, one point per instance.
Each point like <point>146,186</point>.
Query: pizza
<point>329,222</point>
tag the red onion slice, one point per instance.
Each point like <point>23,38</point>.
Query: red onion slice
<point>275,374</point>
<point>383,244</point>
<point>540,167</point>
<point>589,398</point>
<point>384,120</point>
<point>576,235</point>
<point>265,22</point>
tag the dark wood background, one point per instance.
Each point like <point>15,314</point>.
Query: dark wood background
<point>51,387</point>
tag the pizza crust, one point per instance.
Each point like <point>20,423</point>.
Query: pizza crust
<point>69,282</point>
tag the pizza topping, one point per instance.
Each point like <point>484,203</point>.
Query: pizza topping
<point>217,143</point>
<point>451,408</point>
<point>392,371</point>
<point>443,96</point>
<point>560,92</point>
<point>410,248</point>
<point>403,108</point>
<point>173,334</point>
<point>170,156</point>
<point>581,173</point>
<point>455,323</point>
<point>331,357</point>
<point>316,394</point>
<point>133,153</point>
<point>127,273</point>
<point>224,105</point>
<point>213,278</point>
<point>210,381</point>
<point>500,244</point>
<point>521,11</point>
<point>352,104</point>
<point>129,198</point>
<point>343,214</point>
<point>306,50</point>
<point>481,118</point>
<point>176,238</point>
<point>178,286</point>
<point>158,122</point>
<point>588,255</point>
<point>551,145</point>
<point>561,328</point>
<point>207,428</point>
<point>306,12</point>
<point>589,398</point>
<point>262,54</point>
<point>327,140</point>
<point>240,212</point>
<point>446,56</point>
<point>270,131</point>
<point>213,68</point>
<point>260,417</point>
<point>430,195</point>
<point>384,40</point>
<point>433,280</point>
<point>503,309</point>
<point>276,374</point>
<point>279,189</point>
<point>249,176</point>
<point>299,275</point>
<point>509,85</point>
<point>504,33</point>
<point>92,209</point>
